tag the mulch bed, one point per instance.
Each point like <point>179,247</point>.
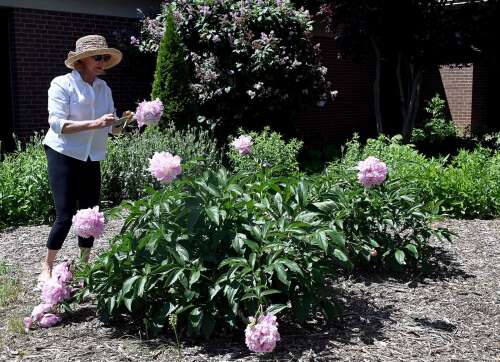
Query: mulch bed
<point>453,314</point>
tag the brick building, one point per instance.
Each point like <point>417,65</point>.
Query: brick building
<point>39,34</point>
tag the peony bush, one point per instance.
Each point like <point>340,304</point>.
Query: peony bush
<point>214,251</point>
<point>383,220</point>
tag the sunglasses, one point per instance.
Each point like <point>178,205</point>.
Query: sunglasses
<point>105,57</point>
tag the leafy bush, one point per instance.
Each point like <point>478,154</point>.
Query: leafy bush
<point>25,196</point>
<point>268,149</point>
<point>252,61</point>
<point>437,128</point>
<point>466,186</point>
<point>470,185</point>
<point>384,225</point>
<point>125,170</point>
<point>172,79</point>
<point>215,250</point>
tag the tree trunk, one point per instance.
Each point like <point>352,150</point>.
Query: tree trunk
<point>409,99</point>
<point>376,87</point>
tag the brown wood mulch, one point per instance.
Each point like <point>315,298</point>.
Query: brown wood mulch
<point>453,314</point>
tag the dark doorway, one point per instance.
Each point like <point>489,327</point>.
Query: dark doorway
<point>6,120</point>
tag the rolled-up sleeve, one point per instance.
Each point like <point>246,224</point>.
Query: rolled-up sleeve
<point>58,107</point>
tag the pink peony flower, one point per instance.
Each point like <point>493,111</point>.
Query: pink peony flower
<point>40,310</point>
<point>243,144</point>
<point>89,222</point>
<point>149,112</point>
<point>263,335</point>
<point>28,322</point>
<point>164,166</point>
<point>62,273</point>
<point>48,320</point>
<point>53,292</point>
<point>372,172</point>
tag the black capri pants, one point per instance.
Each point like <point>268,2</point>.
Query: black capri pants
<point>75,185</point>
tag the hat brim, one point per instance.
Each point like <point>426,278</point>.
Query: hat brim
<point>116,57</point>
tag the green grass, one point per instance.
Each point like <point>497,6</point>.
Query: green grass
<point>9,286</point>
<point>11,321</point>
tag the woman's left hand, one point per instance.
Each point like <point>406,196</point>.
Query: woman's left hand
<point>116,130</point>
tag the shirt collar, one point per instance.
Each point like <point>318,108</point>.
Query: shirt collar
<point>77,76</point>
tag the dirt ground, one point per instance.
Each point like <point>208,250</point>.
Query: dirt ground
<point>452,314</point>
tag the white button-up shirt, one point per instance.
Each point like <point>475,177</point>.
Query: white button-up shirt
<point>71,98</point>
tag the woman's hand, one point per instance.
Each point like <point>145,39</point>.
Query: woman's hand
<point>116,130</point>
<point>104,121</point>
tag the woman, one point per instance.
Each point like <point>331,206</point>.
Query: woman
<point>81,114</point>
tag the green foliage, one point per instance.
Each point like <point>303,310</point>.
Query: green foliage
<point>384,225</point>
<point>172,79</point>
<point>25,196</point>
<point>470,185</point>
<point>125,171</point>
<point>215,250</point>
<point>436,128</point>
<point>269,149</point>
<point>466,186</point>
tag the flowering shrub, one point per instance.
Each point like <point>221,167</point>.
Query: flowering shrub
<point>267,149</point>
<point>215,250</point>
<point>89,223</point>
<point>383,225</point>
<point>152,30</point>
<point>253,60</point>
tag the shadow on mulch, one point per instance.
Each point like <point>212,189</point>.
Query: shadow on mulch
<point>441,266</point>
<point>437,324</point>
<point>362,321</point>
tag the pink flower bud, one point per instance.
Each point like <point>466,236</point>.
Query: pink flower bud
<point>373,252</point>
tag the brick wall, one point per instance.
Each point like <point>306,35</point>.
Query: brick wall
<point>458,88</point>
<point>39,41</point>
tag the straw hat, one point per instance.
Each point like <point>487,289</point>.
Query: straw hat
<point>91,45</point>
